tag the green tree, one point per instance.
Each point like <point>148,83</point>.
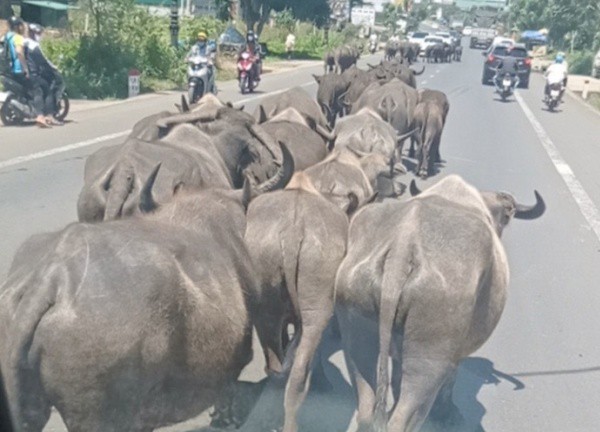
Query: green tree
<point>391,15</point>
<point>256,13</point>
<point>5,9</point>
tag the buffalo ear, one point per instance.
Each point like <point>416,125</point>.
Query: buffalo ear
<point>248,192</point>
<point>414,190</point>
<point>318,78</point>
<point>262,115</point>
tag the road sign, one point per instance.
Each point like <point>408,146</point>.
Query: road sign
<point>134,82</point>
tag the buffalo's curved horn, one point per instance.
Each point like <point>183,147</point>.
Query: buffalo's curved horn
<point>328,135</point>
<point>418,73</point>
<point>267,140</point>
<point>184,104</point>
<point>414,190</point>
<point>188,117</point>
<point>262,115</point>
<point>147,203</point>
<point>531,212</point>
<point>371,66</point>
<point>283,175</point>
<point>241,107</point>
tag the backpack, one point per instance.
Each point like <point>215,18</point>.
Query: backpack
<point>5,57</point>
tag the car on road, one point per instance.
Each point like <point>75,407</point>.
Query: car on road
<point>501,40</point>
<point>430,41</point>
<point>467,31</point>
<point>418,37</point>
<point>482,37</point>
<point>445,36</point>
<point>496,53</point>
<point>456,37</point>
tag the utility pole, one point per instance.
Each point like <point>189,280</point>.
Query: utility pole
<point>174,25</point>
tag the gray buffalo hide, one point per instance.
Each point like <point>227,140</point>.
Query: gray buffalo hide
<point>424,281</point>
<point>297,240</point>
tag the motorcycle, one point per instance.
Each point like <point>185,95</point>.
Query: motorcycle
<point>201,79</point>
<point>553,97</point>
<point>506,85</point>
<point>245,73</point>
<point>17,105</point>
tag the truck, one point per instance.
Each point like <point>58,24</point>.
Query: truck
<point>482,37</point>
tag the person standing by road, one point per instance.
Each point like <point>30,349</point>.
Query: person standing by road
<point>290,44</point>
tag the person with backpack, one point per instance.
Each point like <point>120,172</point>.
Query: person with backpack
<point>16,52</point>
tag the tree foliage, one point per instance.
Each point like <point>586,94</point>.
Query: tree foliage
<point>5,9</point>
<point>575,22</point>
<point>257,12</point>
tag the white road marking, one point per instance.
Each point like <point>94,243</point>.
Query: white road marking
<point>58,150</point>
<point>424,82</point>
<point>431,76</point>
<point>104,138</point>
<point>583,200</point>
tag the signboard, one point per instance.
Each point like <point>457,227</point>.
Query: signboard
<point>134,83</point>
<point>363,16</point>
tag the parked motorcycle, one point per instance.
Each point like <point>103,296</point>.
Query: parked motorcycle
<point>17,105</point>
<point>505,85</point>
<point>245,73</point>
<point>553,97</point>
<point>201,77</point>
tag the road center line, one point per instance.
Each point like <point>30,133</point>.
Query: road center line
<point>583,200</point>
<point>58,150</point>
<point>104,138</point>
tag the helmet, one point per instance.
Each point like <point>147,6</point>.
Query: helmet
<point>250,36</point>
<point>35,28</point>
<point>559,58</point>
<point>202,36</point>
<point>14,22</point>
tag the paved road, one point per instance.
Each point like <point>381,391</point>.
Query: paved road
<point>540,371</point>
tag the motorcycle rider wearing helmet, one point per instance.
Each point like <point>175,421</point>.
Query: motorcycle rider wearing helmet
<point>556,73</point>
<point>42,72</point>
<point>204,49</point>
<point>253,47</point>
<point>15,41</point>
<point>507,64</point>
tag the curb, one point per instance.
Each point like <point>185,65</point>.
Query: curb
<point>582,102</point>
<point>99,104</point>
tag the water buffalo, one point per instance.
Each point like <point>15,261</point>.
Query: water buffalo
<point>330,94</point>
<point>297,240</point>
<point>329,60</point>
<point>388,70</point>
<point>436,96</point>
<point>131,324</point>
<point>346,56</point>
<point>306,145</point>
<point>296,98</point>
<point>429,277</point>
<point>395,102</point>
<point>429,124</point>
<point>114,176</point>
<point>351,178</point>
<point>458,53</point>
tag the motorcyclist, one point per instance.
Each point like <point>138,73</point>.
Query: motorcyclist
<point>204,49</point>
<point>507,64</point>
<point>15,41</point>
<point>290,43</point>
<point>43,73</point>
<point>253,48</point>
<point>556,73</point>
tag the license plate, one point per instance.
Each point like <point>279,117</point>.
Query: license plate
<point>3,96</point>
<point>554,93</point>
<point>506,82</point>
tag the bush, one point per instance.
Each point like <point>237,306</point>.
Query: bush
<point>581,62</point>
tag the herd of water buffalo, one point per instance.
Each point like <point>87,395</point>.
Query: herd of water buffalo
<point>210,222</point>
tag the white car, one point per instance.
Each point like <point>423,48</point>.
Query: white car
<point>445,36</point>
<point>418,37</point>
<point>429,41</point>
<point>467,31</point>
<point>499,40</point>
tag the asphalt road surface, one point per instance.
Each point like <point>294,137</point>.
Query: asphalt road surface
<point>540,371</point>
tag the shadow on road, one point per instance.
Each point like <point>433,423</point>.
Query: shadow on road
<point>473,374</point>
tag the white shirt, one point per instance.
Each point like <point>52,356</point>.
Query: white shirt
<point>556,73</point>
<point>291,40</point>
<point>373,38</point>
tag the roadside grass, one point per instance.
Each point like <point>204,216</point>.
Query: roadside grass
<point>594,100</point>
